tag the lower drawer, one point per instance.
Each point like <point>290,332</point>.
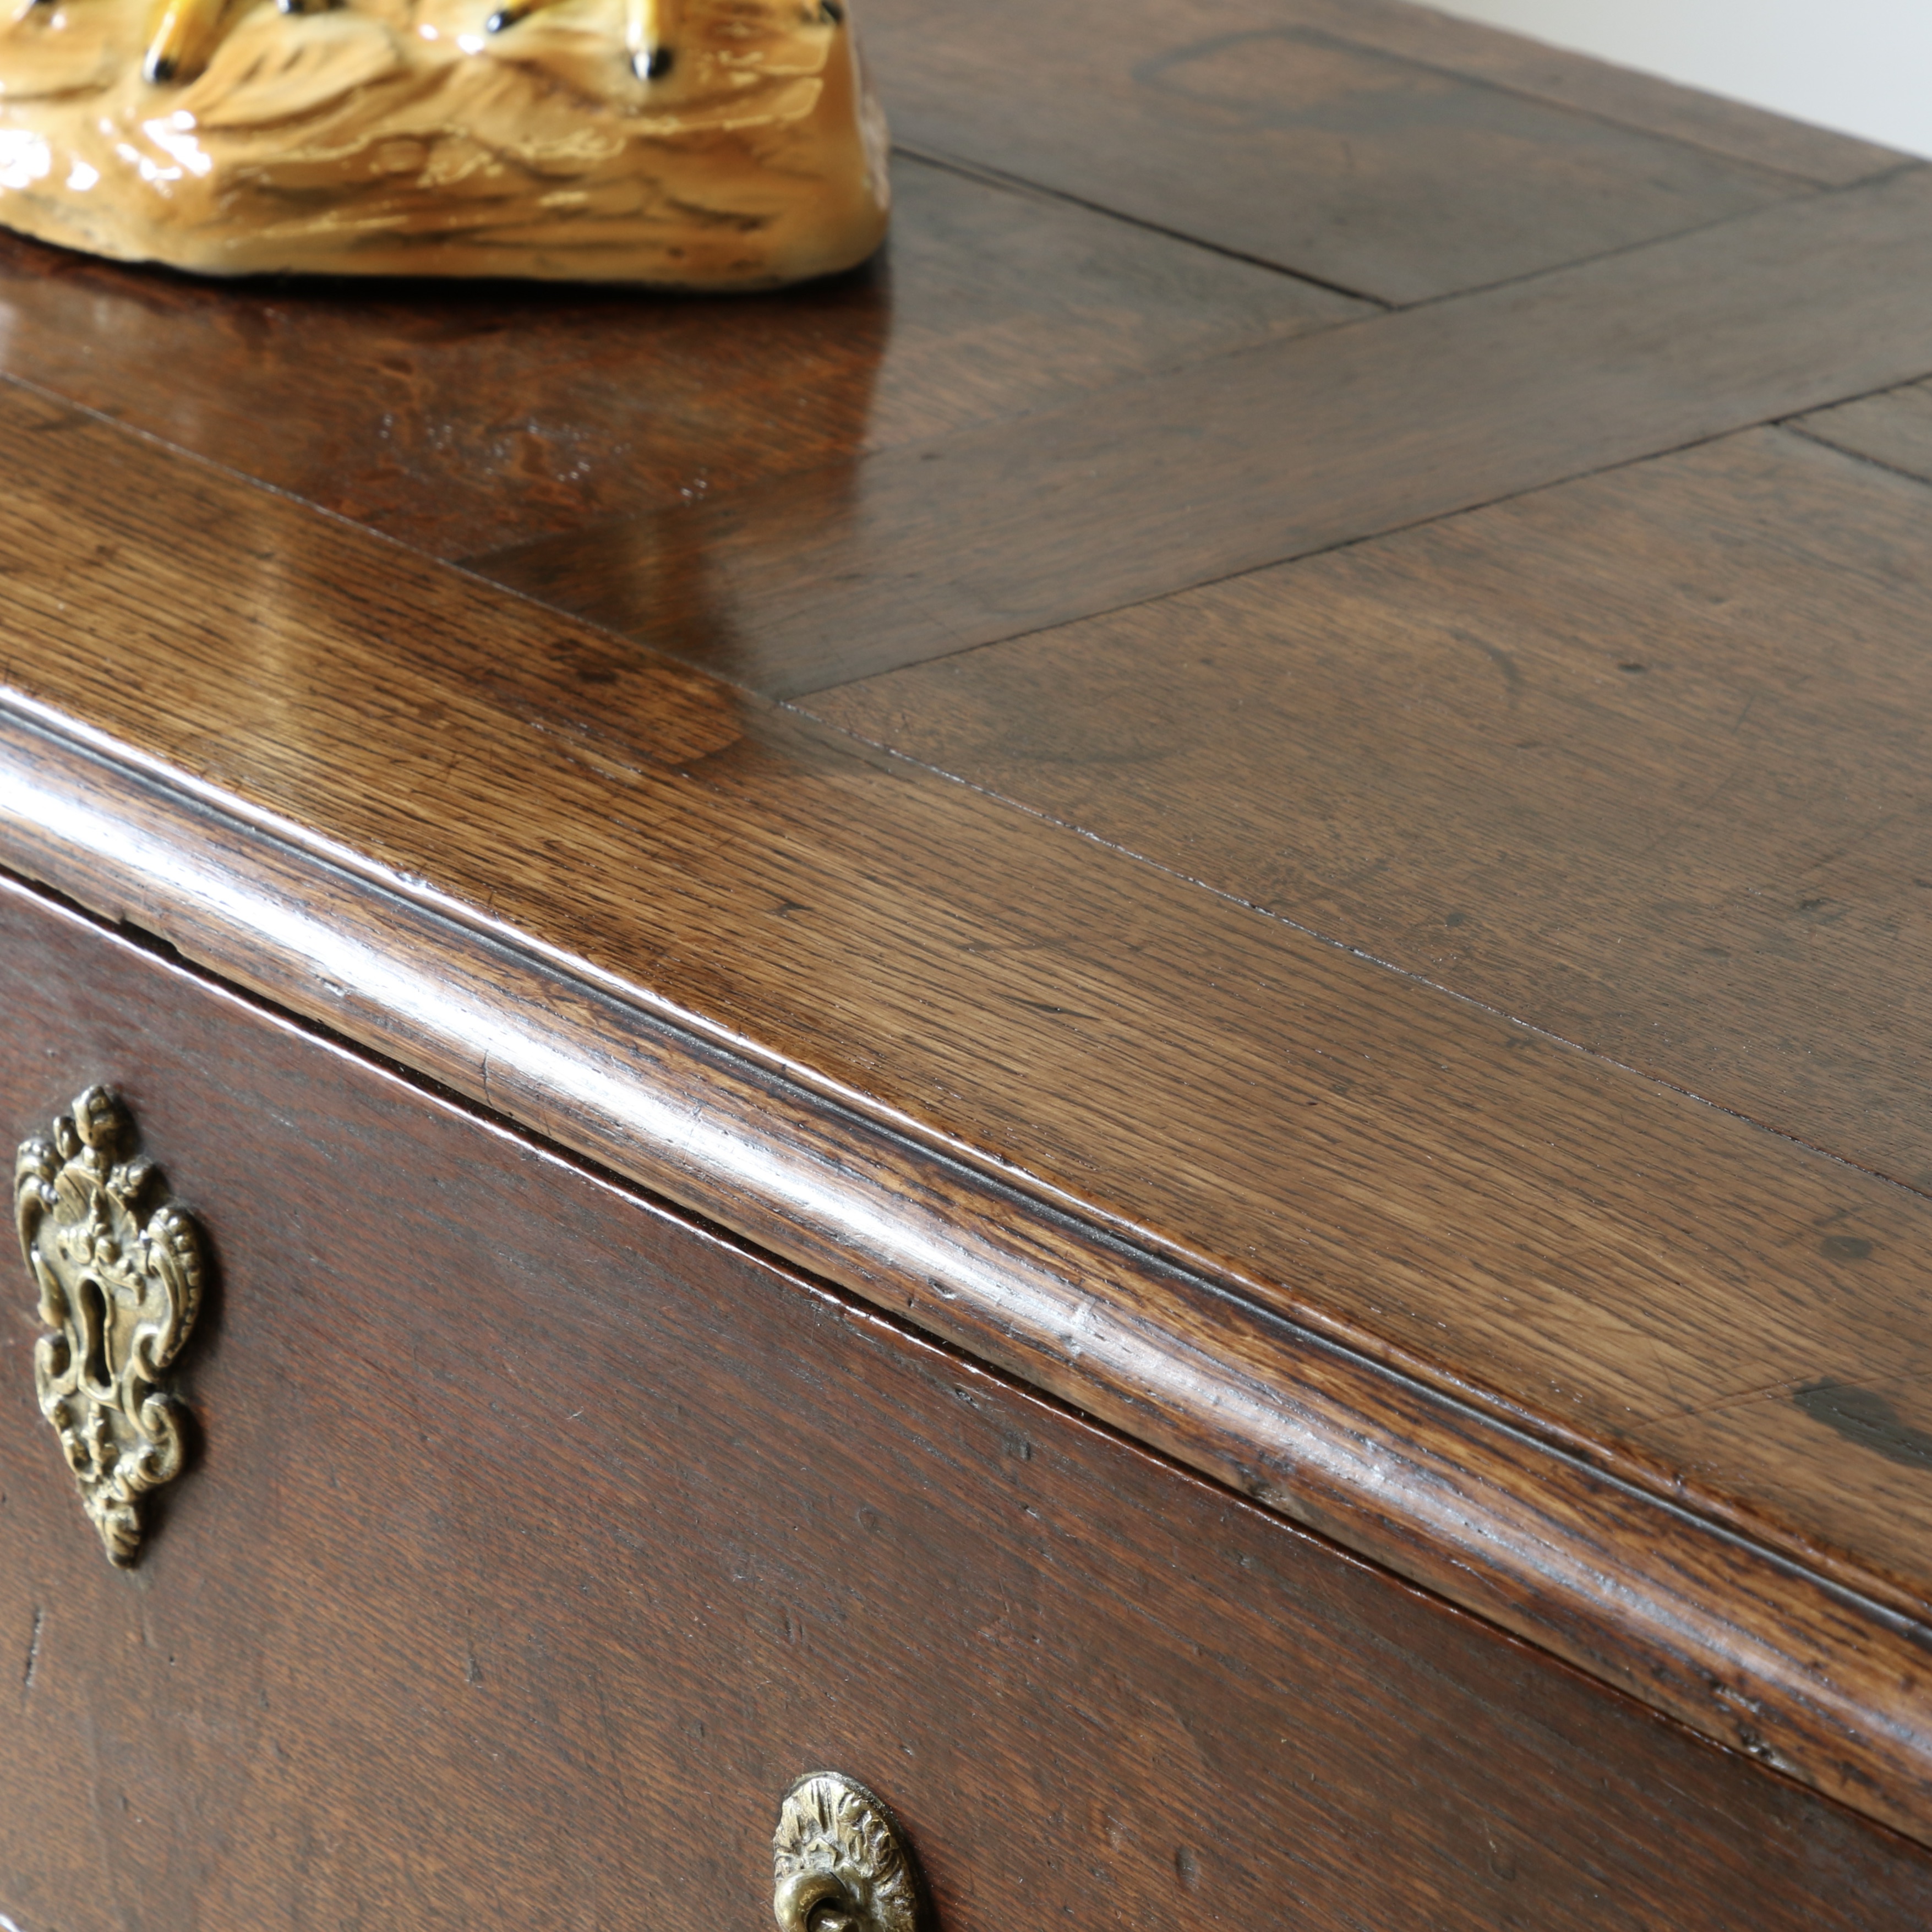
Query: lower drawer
<point>535,1539</point>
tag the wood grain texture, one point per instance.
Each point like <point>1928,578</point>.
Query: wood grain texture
<point>459,419</point>
<point>622,1565</point>
<point>1642,101</point>
<point>1631,1377</point>
<point>1894,428</point>
<point>1543,1273</point>
<point>1237,462</point>
<point>1641,760</point>
<point>1270,129</point>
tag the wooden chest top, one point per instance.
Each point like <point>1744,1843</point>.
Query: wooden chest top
<point>1276,778</point>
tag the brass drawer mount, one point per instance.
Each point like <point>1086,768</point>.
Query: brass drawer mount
<point>839,1862</point>
<point>120,1269</point>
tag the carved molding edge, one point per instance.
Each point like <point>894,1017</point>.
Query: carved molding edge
<point>120,1269</point>
<point>838,1862</point>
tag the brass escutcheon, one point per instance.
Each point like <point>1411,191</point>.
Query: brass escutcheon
<point>839,1863</point>
<point>119,1267</point>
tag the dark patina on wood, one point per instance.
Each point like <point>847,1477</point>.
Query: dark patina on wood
<point>1425,1034</point>
<point>541,1539</point>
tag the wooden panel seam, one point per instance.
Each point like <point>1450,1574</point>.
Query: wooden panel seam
<point>1327,134</point>
<point>1360,949</point>
<point>1798,426</point>
<point>969,169</point>
<point>1265,455</point>
<point>1472,75</point>
<point>1743,1643</point>
<point>1647,103</point>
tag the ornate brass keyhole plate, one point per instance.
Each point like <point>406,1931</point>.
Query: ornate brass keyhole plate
<point>839,1863</point>
<point>120,1269</point>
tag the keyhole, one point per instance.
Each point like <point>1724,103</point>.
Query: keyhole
<point>93,1310</point>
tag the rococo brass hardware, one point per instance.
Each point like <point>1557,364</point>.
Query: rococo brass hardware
<point>839,1863</point>
<point>120,1270</point>
<point>698,144</point>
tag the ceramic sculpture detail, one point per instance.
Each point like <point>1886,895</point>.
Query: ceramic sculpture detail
<point>680,143</point>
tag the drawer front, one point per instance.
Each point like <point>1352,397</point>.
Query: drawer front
<point>534,1539</point>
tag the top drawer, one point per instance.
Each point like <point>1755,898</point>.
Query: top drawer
<point>536,1539</point>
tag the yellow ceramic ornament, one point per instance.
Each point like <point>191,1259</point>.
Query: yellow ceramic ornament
<point>695,144</point>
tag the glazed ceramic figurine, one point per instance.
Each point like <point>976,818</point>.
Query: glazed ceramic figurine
<point>698,144</point>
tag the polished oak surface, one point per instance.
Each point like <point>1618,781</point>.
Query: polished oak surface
<point>1719,1628</point>
<point>1230,464</point>
<point>1574,81</point>
<point>525,1592</point>
<point>1294,134</point>
<point>460,419</point>
<point>1639,760</point>
<point>1894,428</point>
<point>1469,1201</point>
<point>1092,1000</point>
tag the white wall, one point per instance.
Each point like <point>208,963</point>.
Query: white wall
<point>1864,67</point>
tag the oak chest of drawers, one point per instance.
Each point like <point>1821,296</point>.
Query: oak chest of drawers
<point>1126,1027</point>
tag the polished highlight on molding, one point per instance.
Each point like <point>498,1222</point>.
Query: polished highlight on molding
<point>1822,1683</point>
